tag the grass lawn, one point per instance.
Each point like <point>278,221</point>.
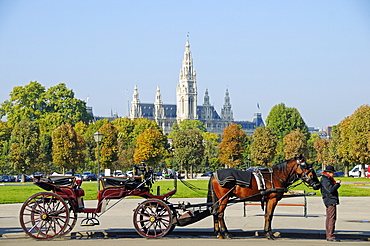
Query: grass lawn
<point>19,194</point>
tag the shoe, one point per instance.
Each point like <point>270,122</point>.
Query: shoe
<point>333,240</point>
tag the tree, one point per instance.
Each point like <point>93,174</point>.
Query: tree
<point>263,146</point>
<point>5,133</point>
<point>150,147</point>
<point>311,157</point>
<point>189,149</point>
<point>67,148</point>
<point>187,125</point>
<point>232,145</point>
<point>60,99</point>
<point>359,137</point>
<point>282,120</point>
<point>141,125</point>
<point>25,146</point>
<point>109,146</point>
<point>322,147</point>
<point>31,102</point>
<point>25,103</point>
<point>295,144</point>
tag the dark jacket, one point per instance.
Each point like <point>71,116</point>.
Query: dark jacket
<point>329,190</point>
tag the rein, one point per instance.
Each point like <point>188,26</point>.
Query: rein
<point>191,186</point>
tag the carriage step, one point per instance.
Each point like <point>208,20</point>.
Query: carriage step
<point>90,224</point>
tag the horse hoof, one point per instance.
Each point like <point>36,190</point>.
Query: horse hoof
<point>220,237</point>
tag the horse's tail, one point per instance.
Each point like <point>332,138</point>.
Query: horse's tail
<point>210,190</point>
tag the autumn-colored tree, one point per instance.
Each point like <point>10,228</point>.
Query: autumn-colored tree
<point>322,147</point>
<point>67,148</point>
<point>80,128</point>
<point>25,147</point>
<point>150,147</point>
<point>263,146</point>
<point>108,146</point>
<point>295,144</point>
<point>141,125</point>
<point>189,149</point>
<point>232,145</point>
<point>359,140</point>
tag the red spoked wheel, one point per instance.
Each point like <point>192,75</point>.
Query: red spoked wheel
<point>44,215</point>
<point>153,219</point>
<point>72,219</point>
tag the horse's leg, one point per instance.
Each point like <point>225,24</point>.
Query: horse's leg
<point>221,219</point>
<point>216,224</point>
<point>270,208</point>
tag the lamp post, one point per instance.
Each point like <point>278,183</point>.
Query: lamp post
<point>98,137</point>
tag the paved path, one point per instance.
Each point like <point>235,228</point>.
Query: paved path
<point>353,220</point>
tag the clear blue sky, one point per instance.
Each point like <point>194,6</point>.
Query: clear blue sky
<point>311,55</point>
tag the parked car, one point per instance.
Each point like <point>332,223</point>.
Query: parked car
<point>7,178</point>
<point>339,174</point>
<point>38,174</point>
<point>78,176</point>
<point>89,176</point>
<point>368,172</point>
<point>27,178</point>
<point>355,171</point>
<point>319,173</point>
<point>207,174</point>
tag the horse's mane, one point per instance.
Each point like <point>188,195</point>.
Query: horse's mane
<point>283,165</point>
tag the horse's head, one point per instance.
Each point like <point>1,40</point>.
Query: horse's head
<point>306,173</point>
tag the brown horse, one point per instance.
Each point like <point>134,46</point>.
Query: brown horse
<point>276,179</point>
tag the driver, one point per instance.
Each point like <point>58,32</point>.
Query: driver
<point>329,191</point>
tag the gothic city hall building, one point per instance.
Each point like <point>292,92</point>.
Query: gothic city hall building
<point>186,107</point>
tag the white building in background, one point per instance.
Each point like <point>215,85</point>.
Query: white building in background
<point>186,107</point>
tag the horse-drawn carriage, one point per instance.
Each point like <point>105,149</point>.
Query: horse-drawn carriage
<point>53,213</point>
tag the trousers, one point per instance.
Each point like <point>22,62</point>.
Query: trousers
<point>331,218</point>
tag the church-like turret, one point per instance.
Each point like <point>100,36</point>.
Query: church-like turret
<point>158,106</point>
<point>186,91</point>
<point>226,112</point>
<point>135,111</point>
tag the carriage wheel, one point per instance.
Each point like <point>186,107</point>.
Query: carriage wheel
<point>72,219</point>
<point>153,218</point>
<point>44,215</point>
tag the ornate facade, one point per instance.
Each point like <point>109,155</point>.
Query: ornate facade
<point>186,107</point>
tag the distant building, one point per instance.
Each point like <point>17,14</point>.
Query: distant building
<point>323,133</point>
<point>186,107</point>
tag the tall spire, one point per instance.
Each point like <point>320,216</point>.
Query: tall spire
<point>226,112</point>
<point>158,106</point>
<point>135,111</point>
<point>186,91</point>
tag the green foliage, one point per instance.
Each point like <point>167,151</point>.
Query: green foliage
<point>282,120</point>
<point>31,102</point>
<point>263,146</point>
<point>189,148</point>
<point>25,146</point>
<point>187,125</point>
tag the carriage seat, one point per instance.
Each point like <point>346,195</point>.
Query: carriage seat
<point>48,183</point>
<point>127,182</point>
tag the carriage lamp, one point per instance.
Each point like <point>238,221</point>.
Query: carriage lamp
<point>98,136</point>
